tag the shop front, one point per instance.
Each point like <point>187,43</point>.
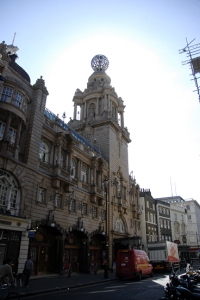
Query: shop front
<point>13,240</point>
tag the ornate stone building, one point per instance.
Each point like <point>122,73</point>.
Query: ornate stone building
<point>65,190</point>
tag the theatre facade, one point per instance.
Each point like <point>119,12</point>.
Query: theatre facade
<point>66,192</point>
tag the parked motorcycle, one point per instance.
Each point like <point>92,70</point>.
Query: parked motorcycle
<point>180,289</point>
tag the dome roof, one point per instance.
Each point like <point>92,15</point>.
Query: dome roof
<point>17,68</point>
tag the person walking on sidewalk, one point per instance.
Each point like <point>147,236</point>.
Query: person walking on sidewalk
<point>6,271</point>
<point>28,269</point>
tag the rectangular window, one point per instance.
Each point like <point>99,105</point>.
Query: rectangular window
<point>6,94</point>
<point>11,135</point>
<point>189,217</point>
<point>175,217</point>
<point>41,195</point>
<point>147,204</point>
<point>103,215</point>
<point>164,223</point>
<point>18,99</point>
<point>188,207</point>
<point>3,193</point>
<point>58,201</point>
<point>94,212</point>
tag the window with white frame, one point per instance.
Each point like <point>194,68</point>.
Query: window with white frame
<point>3,192</point>
<point>73,168</point>
<point>44,152</point>
<point>9,191</point>
<point>2,129</point>
<point>58,200</point>
<point>72,206</point>
<point>11,135</point>
<point>94,212</point>
<point>41,195</point>
<point>18,99</point>
<point>6,94</point>
<point>83,174</point>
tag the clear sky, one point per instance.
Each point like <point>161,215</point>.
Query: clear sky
<point>141,39</point>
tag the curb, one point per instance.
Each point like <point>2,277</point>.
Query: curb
<point>24,295</point>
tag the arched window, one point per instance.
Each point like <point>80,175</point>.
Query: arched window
<point>9,192</point>
<point>44,152</point>
<point>83,174</point>
<point>73,168</point>
<point>119,226</point>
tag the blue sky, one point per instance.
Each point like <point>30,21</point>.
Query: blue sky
<point>141,39</point>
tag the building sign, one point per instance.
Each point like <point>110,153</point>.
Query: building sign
<point>5,222</point>
<point>31,234</point>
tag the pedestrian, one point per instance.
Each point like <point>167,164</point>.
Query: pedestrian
<point>6,271</point>
<point>28,269</point>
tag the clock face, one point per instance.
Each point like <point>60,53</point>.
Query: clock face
<point>99,63</point>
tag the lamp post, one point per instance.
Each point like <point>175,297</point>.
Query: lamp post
<point>105,185</point>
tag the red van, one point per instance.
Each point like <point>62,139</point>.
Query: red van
<point>133,263</point>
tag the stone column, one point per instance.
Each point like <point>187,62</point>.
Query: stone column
<point>18,133</point>
<point>105,102</point>
<point>75,110</point>
<point>55,152</point>
<point>59,154</point>
<point>85,108</point>
<point>122,119</point>
<point>97,106</point>
<point>88,175</point>
<point>81,114</point>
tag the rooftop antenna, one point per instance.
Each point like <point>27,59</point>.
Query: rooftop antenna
<point>171,186</point>
<point>13,38</point>
<point>175,188</point>
<point>193,54</point>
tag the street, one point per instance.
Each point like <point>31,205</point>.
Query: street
<point>147,288</point>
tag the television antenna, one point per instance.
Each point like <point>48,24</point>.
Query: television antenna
<point>193,55</point>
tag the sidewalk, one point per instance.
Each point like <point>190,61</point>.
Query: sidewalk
<point>42,283</point>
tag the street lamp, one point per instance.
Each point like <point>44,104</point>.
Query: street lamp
<point>105,186</point>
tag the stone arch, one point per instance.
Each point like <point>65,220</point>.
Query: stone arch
<point>120,225</point>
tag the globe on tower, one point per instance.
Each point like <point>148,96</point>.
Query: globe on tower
<point>99,63</point>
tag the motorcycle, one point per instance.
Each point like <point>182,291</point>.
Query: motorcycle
<point>180,289</point>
